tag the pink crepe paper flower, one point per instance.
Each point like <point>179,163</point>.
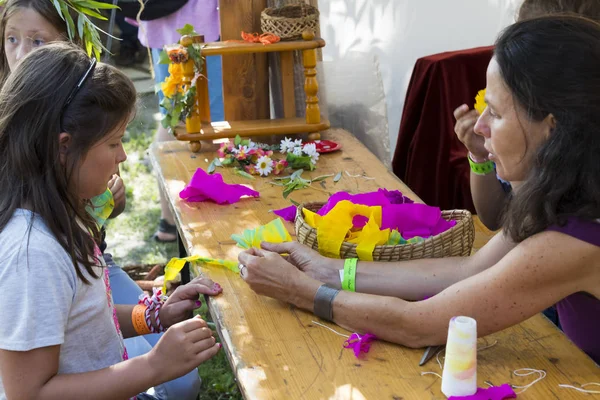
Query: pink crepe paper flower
<point>359,343</point>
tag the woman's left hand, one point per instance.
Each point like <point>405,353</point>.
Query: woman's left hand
<point>269,274</point>
<point>185,299</point>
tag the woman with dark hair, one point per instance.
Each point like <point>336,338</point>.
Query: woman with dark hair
<point>542,129</point>
<point>489,193</point>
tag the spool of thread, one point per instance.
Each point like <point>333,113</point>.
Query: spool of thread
<point>459,377</point>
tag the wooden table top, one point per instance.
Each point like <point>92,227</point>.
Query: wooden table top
<point>277,352</point>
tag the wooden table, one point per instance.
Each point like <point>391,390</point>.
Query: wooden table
<point>275,350</point>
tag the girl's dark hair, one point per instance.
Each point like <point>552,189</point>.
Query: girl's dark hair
<point>550,65</point>
<point>539,8</point>
<point>45,8</point>
<point>32,102</point>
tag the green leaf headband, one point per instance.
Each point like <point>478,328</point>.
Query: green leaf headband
<point>85,30</point>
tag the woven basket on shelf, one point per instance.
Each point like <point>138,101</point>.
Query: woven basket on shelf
<point>456,241</point>
<point>290,21</point>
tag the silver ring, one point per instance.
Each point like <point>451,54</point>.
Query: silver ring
<point>241,268</point>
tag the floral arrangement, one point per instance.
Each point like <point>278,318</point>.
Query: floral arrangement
<point>257,158</point>
<point>250,157</point>
<point>480,103</point>
<point>299,155</point>
<point>180,96</point>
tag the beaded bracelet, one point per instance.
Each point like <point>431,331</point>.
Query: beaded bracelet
<point>153,303</point>
<point>481,167</point>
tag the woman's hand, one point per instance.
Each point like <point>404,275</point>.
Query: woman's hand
<point>309,261</point>
<point>185,299</point>
<point>269,274</point>
<point>464,129</point>
<point>182,348</point>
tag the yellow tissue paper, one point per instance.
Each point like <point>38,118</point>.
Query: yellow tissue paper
<point>273,232</point>
<point>175,265</point>
<point>311,218</point>
<point>336,225</point>
<point>370,236</point>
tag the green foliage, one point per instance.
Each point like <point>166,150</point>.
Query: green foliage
<point>86,30</point>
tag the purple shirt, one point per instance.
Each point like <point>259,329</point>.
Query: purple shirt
<point>203,15</point>
<point>579,313</point>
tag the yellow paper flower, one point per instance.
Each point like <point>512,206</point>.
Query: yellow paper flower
<point>174,81</point>
<point>480,104</point>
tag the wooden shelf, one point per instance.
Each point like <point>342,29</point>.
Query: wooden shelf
<point>225,48</point>
<point>260,127</point>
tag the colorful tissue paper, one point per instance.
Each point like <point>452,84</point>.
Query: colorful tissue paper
<point>287,213</point>
<point>204,187</point>
<point>359,343</point>
<point>381,197</point>
<point>273,232</point>
<point>175,265</point>
<point>334,226</point>
<point>492,393</point>
<point>415,220</point>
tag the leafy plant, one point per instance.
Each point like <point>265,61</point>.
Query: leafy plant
<point>296,182</point>
<point>180,98</point>
<point>85,30</point>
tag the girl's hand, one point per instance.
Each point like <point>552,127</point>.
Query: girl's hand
<point>182,348</point>
<point>117,187</point>
<point>185,299</point>
<point>309,261</point>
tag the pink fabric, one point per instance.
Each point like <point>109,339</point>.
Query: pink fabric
<point>204,187</point>
<point>203,15</point>
<point>492,393</point>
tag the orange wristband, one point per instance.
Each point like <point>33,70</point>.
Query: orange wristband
<point>138,318</point>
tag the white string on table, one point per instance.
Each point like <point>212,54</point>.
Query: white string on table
<point>332,330</point>
<point>528,371</point>
<point>582,388</point>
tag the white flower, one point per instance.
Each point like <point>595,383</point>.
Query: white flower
<point>298,142</point>
<point>252,145</point>
<point>286,145</point>
<point>264,165</point>
<point>298,151</point>
<point>310,149</point>
<point>314,158</point>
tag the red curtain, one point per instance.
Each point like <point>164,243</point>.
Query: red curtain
<point>429,158</point>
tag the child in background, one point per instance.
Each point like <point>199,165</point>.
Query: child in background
<point>157,33</point>
<point>62,118</point>
<point>489,193</point>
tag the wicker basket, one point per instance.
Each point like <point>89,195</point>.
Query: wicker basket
<point>456,241</point>
<point>290,21</point>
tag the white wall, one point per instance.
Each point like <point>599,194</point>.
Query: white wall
<point>398,32</point>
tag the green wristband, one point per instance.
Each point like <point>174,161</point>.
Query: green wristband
<point>349,281</point>
<point>483,168</point>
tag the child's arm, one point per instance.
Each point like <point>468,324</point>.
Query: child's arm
<point>178,307</point>
<point>34,374</point>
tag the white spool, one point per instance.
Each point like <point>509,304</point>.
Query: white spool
<point>459,377</point>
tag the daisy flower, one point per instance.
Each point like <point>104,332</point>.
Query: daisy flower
<point>298,151</point>
<point>264,166</point>
<point>310,149</point>
<point>286,145</point>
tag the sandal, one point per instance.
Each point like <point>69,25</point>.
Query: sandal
<point>165,227</point>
